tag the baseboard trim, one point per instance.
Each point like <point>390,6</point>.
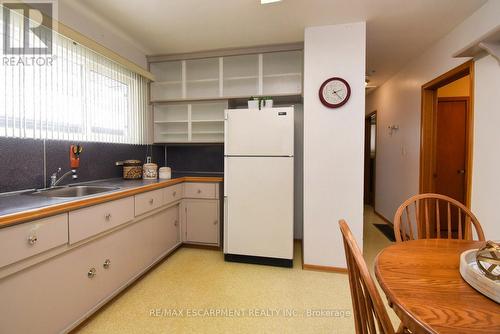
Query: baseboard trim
<point>382,217</point>
<point>267,261</point>
<point>201,246</point>
<point>329,269</point>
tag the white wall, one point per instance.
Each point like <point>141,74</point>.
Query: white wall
<point>333,142</point>
<point>75,15</point>
<point>398,103</point>
<point>298,172</point>
<point>486,160</point>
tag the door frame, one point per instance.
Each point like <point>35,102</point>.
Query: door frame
<point>428,128</point>
<point>367,142</point>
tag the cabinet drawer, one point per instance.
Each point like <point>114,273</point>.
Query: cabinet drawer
<point>87,222</point>
<point>148,201</point>
<point>172,193</point>
<point>28,239</point>
<point>200,190</point>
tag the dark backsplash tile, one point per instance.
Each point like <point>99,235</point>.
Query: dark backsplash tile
<point>97,160</point>
<point>22,161</point>
<point>21,164</point>
<point>196,158</point>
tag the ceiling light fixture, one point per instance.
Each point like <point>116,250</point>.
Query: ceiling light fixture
<point>265,2</point>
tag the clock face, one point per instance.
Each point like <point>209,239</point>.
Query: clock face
<point>334,92</point>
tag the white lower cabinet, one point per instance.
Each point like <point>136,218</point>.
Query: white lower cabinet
<point>51,296</point>
<point>48,297</point>
<point>55,294</point>
<point>202,221</point>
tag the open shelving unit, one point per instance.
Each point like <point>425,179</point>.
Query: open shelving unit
<point>189,122</point>
<point>191,94</point>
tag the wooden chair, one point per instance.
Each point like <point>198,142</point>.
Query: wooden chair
<point>369,310</point>
<point>434,211</point>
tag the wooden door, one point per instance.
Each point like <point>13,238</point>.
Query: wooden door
<point>451,151</point>
<point>451,148</point>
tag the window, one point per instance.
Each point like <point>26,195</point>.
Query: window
<point>72,94</point>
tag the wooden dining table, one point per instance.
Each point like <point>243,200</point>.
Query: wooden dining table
<point>423,285</point>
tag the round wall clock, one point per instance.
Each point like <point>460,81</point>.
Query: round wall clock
<point>334,92</point>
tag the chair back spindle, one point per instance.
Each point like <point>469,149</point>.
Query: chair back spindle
<point>439,212</point>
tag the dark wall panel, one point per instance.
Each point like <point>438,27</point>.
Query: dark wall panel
<point>22,161</point>
<point>196,158</point>
<point>21,164</point>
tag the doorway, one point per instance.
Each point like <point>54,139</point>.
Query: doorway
<point>446,134</point>
<point>370,156</point>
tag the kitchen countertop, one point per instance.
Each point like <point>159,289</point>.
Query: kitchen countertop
<point>21,206</point>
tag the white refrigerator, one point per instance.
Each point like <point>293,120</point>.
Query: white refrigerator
<point>258,186</point>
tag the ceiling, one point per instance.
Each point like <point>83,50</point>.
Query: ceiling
<point>397,30</point>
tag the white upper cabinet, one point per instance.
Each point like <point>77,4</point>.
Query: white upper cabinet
<point>202,78</point>
<point>273,73</point>
<point>282,73</point>
<point>169,81</point>
<point>241,75</point>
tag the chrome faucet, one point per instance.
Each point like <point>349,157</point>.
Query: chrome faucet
<point>54,181</point>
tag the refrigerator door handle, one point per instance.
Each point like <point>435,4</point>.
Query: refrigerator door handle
<point>226,120</point>
<point>225,223</point>
<point>226,163</point>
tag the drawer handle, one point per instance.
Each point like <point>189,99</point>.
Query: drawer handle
<point>174,193</point>
<point>151,201</point>
<point>199,191</point>
<point>107,216</point>
<point>176,223</point>
<point>32,239</point>
<point>91,273</point>
<point>106,264</point>
<point>216,222</point>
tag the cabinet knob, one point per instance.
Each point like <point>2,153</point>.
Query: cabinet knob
<point>151,201</point>
<point>106,264</point>
<point>216,222</point>
<point>174,193</point>
<point>107,216</point>
<point>176,223</point>
<point>91,273</point>
<point>199,191</point>
<point>32,239</point>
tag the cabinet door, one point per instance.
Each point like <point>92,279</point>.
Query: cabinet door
<point>202,221</point>
<point>63,281</point>
<point>164,229</point>
<point>52,295</point>
<point>123,254</point>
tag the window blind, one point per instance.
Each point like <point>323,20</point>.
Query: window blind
<point>72,94</point>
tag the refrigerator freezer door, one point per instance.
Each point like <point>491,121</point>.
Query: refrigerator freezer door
<point>267,132</point>
<point>259,216</point>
